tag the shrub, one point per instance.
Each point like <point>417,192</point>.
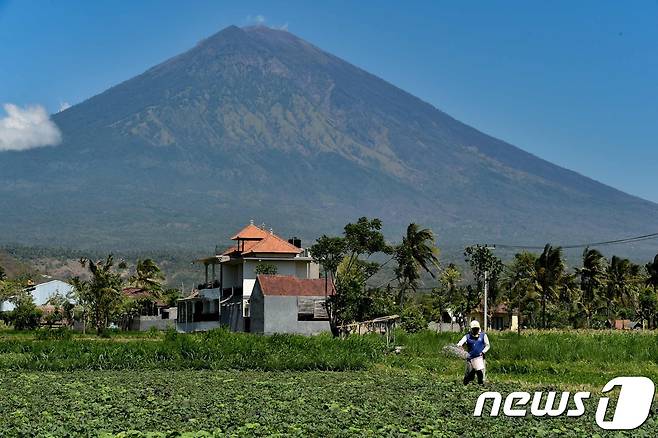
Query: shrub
<point>412,319</point>
<point>25,316</point>
<point>61,333</point>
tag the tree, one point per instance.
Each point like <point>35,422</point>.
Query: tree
<point>63,306</point>
<point>519,283</point>
<point>26,315</point>
<point>648,304</point>
<point>266,269</point>
<point>445,295</point>
<point>148,277</point>
<point>351,252</point>
<point>417,251</point>
<point>171,296</point>
<point>592,281</point>
<point>652,274</point>
<point>549,269</point>
<point>466,299</point>
<point>102,294</point>
<point>622,276</point>
<point>483,263</point>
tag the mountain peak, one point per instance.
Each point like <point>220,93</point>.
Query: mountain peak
<point>255,121</point>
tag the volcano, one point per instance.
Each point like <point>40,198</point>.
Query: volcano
<point>258,123</point>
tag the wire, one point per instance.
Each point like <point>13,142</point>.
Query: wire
<point>585,245</point>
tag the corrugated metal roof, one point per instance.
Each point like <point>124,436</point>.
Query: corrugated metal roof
<point>285,285</point>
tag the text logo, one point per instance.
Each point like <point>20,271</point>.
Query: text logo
<point>632,410</point>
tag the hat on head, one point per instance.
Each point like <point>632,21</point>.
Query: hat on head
<point>475,324</point>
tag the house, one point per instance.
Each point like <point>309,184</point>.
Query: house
<point>500,318</point>
<point>626,324</point>
<point>287,304</point>
<point>41,293</point>
<point>230,277</point>
<point>153,313</point>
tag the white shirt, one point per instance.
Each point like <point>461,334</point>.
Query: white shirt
<point>462,341</point>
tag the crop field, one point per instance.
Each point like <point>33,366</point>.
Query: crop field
<point>224,384</point>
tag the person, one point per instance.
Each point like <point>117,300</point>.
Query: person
<point>477,345</point>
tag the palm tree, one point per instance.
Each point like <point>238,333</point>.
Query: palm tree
<point>592,280</point>
<point>652,271</point>
<point>447,292</point>
<point>417,251</point>
<point>103,292</point>
<point>519,282</point>
<point>148,277</point>
<point>549,269</point>
<point>622,276</point>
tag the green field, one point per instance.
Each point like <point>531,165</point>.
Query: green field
<point>239,385</point>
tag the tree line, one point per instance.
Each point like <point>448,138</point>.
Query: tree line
<point>540,288</point>
<point>97,300</point>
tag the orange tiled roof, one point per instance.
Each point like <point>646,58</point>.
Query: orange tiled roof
<point>251,231</point>
<point>271,244</point>
<point>286,285</point>
<point>245,246</point>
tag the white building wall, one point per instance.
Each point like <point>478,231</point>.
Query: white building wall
<point>42,292</point>
<point>280,316</point>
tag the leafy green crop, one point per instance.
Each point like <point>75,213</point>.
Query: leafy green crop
<point>253,403</point>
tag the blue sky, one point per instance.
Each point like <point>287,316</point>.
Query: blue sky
<point>575,83</point>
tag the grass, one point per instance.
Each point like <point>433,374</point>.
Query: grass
<point>231,384</point>
<point>218,349</point>
<point>574,358</point>
<point>579,358</point>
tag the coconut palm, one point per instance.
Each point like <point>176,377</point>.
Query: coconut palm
<point>622,275</point>
<point>417,251</point>
<point>148,277</point>
<point>549,268</point>
<point>519,282</point>
<point>103,292</point>
<point>652,277</point>
<point>592,281</point>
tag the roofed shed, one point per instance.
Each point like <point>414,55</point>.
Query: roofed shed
<point>286,304</point>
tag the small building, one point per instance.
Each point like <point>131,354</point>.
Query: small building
<point>152,313</point>
<point>500,318</point>
<point>223,299</point>
<point>41,293</point>
<point>286,304</point>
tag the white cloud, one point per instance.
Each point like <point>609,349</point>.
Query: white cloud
<point>64,106</point>
<point>27,128</point>
<point>258,20</point>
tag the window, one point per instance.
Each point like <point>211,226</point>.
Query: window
<point>311,309</point>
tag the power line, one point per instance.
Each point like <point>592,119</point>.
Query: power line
<point>585,245</point>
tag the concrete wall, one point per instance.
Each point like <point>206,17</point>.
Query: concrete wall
<point>256,307</point>
<point>280,316</point>
<point>145,323</point>
<point>203,326</point>
<point>444,327</point>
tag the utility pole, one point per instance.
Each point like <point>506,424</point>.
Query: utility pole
<point>486,292</point>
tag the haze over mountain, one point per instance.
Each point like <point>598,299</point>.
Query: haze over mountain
<point>257,123</point>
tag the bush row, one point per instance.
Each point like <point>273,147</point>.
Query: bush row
<point>217,349</point>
